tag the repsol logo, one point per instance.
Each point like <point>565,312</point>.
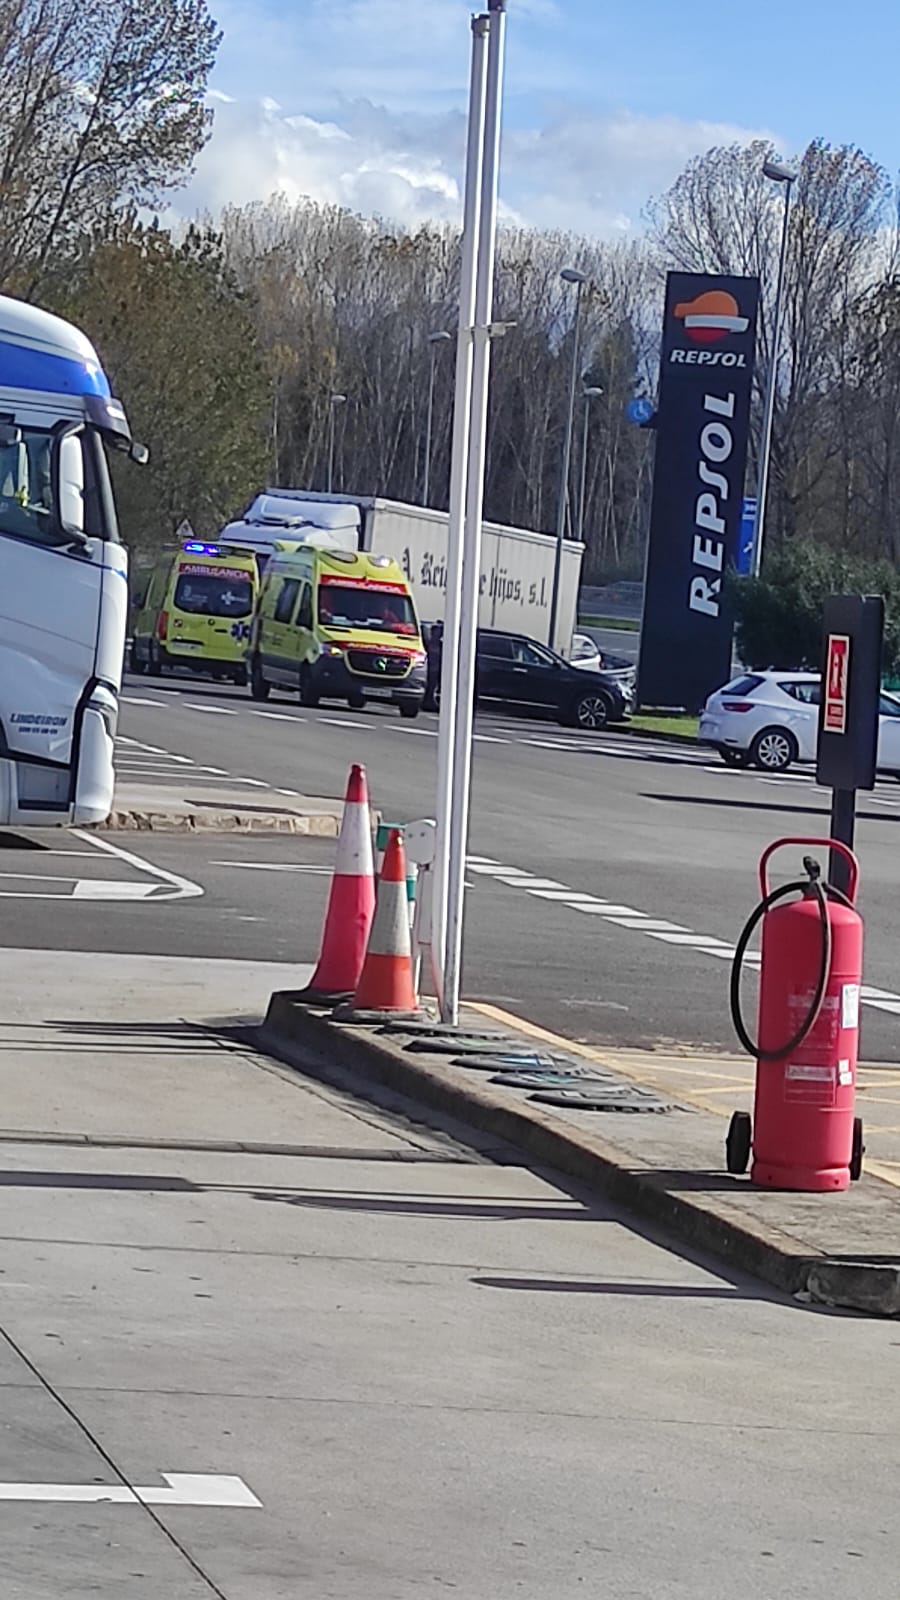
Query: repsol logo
<point>716,446</point>
<point>708,358</point>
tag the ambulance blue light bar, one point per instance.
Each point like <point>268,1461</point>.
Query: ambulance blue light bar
<point>198,549</point>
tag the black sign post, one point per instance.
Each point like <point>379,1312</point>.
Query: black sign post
<point>852,631</point>
<point>702,424</point>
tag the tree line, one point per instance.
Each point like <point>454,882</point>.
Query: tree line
<point>279,342</point>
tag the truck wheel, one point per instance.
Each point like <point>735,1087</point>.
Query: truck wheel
<point>239,677</point>
<point>356,702</point>
<point>308,695</point>
<point>260,688</point>
<point>858,1151</point>
<point>410,708</point>
<point>737,1144</point>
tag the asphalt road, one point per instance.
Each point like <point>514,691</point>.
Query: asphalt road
<point>667,838</point>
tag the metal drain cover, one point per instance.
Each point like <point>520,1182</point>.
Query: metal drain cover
<point>429,1028</point>
<point>460,1044</point>
<point>617,1098</point>
<point>524,1063</point>
<point>549,1079</point>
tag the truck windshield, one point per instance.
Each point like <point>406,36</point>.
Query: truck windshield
<point>26,493</point>
<point>365,606</point>
<point>214,594</point>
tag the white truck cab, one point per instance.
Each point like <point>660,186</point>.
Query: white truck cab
<point>63,573</point>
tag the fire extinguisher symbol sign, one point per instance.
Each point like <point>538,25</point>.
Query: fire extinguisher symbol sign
<point>837,680</point>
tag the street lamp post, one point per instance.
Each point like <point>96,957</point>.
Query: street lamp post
<point>435,340</point>
<point>568,275</point>
<point>335,401</point>
<point>778,173</point>
<point>588,394</point>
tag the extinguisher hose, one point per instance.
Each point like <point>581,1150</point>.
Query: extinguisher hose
<point>821,893</point>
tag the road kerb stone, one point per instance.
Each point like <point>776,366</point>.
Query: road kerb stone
<point>313,824</point>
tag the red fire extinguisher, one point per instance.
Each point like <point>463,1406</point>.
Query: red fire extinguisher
<point>804,1134</point>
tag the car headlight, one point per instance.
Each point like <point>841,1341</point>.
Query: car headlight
<point>334,650</point>
<point>418,658</point>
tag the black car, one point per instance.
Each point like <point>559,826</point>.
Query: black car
<point>516,671</point>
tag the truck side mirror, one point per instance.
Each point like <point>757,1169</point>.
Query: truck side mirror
<point>68,473</point>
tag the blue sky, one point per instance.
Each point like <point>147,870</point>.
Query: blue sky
<point>362,101</point>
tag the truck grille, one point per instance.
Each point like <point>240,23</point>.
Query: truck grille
<point>377,664</point>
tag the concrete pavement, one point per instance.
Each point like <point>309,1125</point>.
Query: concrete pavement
<point>432,1370</point>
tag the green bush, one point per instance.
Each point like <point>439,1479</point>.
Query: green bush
<point>779,615</point>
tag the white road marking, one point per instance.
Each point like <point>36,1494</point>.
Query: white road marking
<point>564,895</point>
<point>292,794</point>
<point>279,716</point>
<point>272,866</point>
<point>218,711</point>
<point>532,883</point>
<point>424,733</point>
<point>488,738</point>
<point>112,889</point>
<point>602,908</point>
<point>686,938</point>
<point>344,722</point>
<point>183,1489</point>
<point>649,924</point>
<point>136,700</point>
<point>184,889</point>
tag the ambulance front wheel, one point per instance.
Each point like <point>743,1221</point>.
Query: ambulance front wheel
<point>738,1142</point>
<point>308,692</point>
<point>858,1151</point>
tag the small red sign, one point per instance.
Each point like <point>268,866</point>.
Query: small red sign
<point>837,682</point>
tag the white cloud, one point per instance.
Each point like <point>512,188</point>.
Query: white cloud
<point>583,171</point>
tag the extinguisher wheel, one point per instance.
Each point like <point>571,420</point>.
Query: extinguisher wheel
<point>858,1150</point>
<point>738,1142</point>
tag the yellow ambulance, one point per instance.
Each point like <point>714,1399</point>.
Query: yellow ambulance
<point>197,611</point>
<point>337,625</point>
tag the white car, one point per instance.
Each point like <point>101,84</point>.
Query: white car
<point>770,719</point>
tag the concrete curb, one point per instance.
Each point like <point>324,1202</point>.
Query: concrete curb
<point>315,824</point>
<point>701,1219</point>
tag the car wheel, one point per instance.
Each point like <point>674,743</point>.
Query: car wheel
<point>135,662</point>
<point>773,750</point>
<point>734,758</point>
<point>260,688</point>
<point>155,664</point>
<point>308,696</point>
<point>356,702</point>
<point>590,711</point>
<point>410,708</point>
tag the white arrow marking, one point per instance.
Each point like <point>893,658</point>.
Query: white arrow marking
<point>97,889</point>
<point>184,1489</point>
<point>184,889</point>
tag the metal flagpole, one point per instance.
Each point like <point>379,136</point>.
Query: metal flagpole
<point>458,481</point>
<point>484,298</point>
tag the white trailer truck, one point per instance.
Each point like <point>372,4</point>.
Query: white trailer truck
<point>516,565</point>
<point>64,584</point>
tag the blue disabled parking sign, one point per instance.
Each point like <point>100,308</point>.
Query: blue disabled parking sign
<point>639,410</point>
<point>744,561</point>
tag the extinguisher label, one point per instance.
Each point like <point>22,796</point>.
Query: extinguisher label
<point>845,1073</point>
<point>850,1005</point>
<point>810,1075</point>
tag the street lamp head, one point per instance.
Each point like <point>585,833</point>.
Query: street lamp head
<point>572,275</point>
<point>591,392</point>
<point>441,337</point>
<point>778,171</point>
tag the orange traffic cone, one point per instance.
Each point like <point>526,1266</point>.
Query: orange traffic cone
<point>386,983</point>
<point>351,902</point>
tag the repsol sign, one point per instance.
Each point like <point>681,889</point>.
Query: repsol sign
<point>703,417</point>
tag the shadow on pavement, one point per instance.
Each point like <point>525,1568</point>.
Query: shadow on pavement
<point>674,1291</point>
